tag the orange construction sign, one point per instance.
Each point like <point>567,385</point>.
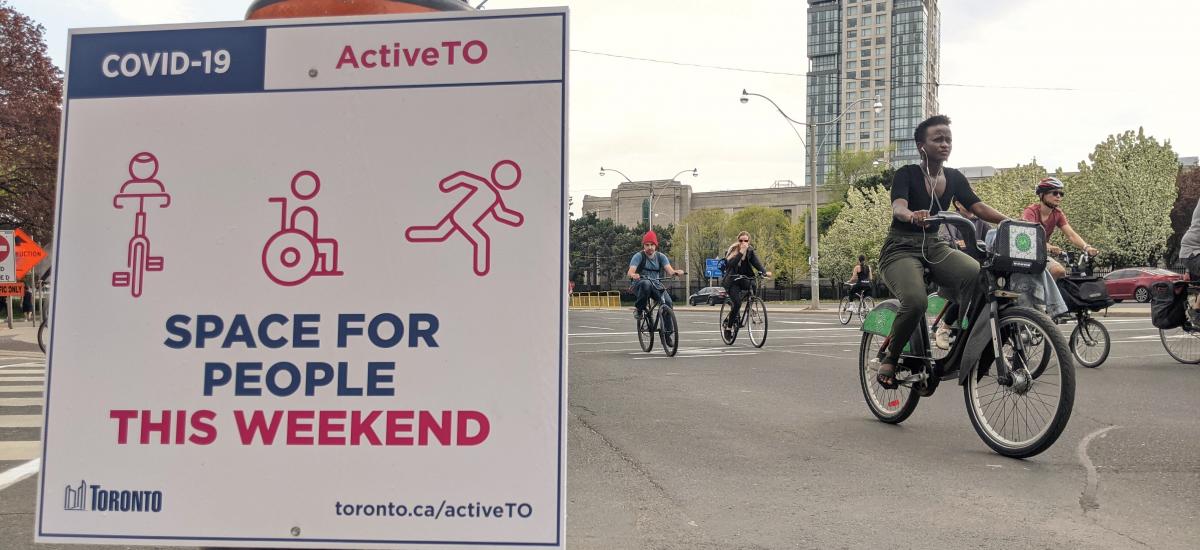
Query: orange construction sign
<point>28,253</point>
<point>12,289</point>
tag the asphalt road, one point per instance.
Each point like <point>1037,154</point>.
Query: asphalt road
<point>733,447</point>
<point>736,447</point>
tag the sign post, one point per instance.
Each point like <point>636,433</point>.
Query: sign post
<point>376,382</point>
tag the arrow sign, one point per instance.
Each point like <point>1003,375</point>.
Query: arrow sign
<point>28,253</point>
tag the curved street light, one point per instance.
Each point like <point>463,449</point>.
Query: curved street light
<point>650,221</point>
<point>812,231</point>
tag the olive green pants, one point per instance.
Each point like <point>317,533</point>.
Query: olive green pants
<point>901,264</point>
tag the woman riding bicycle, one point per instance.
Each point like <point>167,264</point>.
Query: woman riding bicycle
<point>919,191</point>
<point>1048,212</point>
<point>646,268</point>
<point>860,278</point>
<point>740,259</point>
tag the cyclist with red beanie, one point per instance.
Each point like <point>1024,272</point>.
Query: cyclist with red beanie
<point>646,268</point>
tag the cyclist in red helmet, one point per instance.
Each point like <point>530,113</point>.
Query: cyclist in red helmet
<point>1048,212</point>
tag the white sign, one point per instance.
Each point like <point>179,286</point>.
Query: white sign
<point>8,257</point>
<point>309,285</point>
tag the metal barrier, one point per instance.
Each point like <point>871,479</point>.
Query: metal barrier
<point>608,300</point>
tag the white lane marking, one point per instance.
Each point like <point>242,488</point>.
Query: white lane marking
<point>21,401</point>
<point>810,353</point>
<point>714,329</point>
<point>20,472</point>
<point>17,389</point>
<point>732,354</point>
<point>22,379</point>
<point>22,365</point>
<point>1087,500</point>
<point>596,328</point>
<point>21,421</point>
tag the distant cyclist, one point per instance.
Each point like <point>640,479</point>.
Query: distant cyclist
<point>740,259</point>
<point>1048,212</point>
<point>860,279</point>
<point>648,266</point>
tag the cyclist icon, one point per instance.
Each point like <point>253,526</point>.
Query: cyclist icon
<point>142,185</point>
<point>297,252</point>
<point>481,202</point>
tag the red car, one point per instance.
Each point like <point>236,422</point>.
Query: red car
<point>1134,282</point>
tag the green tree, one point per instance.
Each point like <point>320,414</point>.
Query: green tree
<point>1012,189</point>
<point>792,263</point>
<point>1188,187</point>
<point>1121,200</point>
<point>706,235</point>
<point>860,228</point>
<point>30,112</point>
<point>768,229</point>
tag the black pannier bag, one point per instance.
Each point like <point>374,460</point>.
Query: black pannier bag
<point>1082,293</point>
<point>1019,247</point>
<point>1168,304</point>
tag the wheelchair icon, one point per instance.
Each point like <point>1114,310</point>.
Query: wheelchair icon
<point>296,252</point>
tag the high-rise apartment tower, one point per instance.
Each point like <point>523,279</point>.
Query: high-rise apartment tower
<point>865,49</point>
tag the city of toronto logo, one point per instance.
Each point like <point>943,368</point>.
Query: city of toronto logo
<point>75,498</point>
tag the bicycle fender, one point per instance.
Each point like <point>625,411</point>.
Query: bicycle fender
<point>979,347</point>
<point>879,320</point>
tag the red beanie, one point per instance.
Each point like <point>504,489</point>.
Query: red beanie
<point>650,237</point>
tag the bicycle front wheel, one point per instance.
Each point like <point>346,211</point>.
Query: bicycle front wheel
<point>727,336</point>
<point>645,332</point>
<point>1090,343</point>
<point>1182,343</point>
<point>756,321</point>
<point>668,331</point>
<point>1021,415</point>
<point>844,312</point>
<point>44,335</point>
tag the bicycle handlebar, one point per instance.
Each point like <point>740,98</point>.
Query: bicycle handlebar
<point>967,228</point>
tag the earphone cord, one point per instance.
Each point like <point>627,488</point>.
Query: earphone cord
<point>929,185</point>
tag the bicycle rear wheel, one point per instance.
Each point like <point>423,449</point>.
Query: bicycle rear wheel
<point>864,307</point>
<point>1090,343</point>
<point>891,406</point>
<point>727,336</point>
<point>756,321</point>
<point>1182,343</point>
<point>1024,415</point>
<point>844,312</point>
<point>645,331</point>
<point>668,331</point>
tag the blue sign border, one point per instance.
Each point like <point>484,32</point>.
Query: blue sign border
<point>559,531</point>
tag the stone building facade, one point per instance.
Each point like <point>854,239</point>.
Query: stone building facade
<point>630,203</point>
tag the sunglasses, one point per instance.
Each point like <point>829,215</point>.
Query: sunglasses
<point>1057,193</point>
<point>743,240</point>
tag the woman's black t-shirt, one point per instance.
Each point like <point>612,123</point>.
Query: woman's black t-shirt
<point>909,184</point>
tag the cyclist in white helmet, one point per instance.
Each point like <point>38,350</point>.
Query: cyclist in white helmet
<point>1048,212</point>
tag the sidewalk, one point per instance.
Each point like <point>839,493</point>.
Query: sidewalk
<point>22,337</point>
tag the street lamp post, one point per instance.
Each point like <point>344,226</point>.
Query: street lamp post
<point>650,219</point>
<point>814,280</point>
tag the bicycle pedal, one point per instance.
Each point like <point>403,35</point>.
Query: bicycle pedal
<point>120,279</point>
<point>154,263</point>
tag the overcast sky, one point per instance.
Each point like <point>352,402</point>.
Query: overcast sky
<point>1115,65</point>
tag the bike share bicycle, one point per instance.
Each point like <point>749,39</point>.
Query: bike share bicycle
<point>865,305</point>
<point>1017,375</point>
<point>1083,295</point>
<point>753,315</point>
<point>659,317</point>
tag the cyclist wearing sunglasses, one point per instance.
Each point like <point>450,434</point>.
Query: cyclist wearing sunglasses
<point>1048,212</point>
<point>740,259</point>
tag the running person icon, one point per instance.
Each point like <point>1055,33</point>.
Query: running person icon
<point>481,202</point>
